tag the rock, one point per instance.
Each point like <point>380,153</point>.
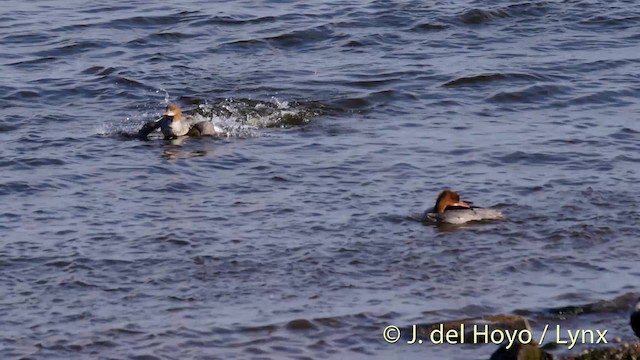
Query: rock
<point>635,319</point>
<point>623,352</point>
<point>521,352</point>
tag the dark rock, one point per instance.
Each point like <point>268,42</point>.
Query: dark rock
<point>521,352</point>
<point>623,352</point>
<point>635,319</point>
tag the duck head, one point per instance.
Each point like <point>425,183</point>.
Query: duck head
<point>173,111</point>
<point>448,199</point>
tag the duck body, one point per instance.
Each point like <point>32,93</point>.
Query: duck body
<point>462,216</point>
<point>172,129</point>
<point>173,125</point>
<point>450,209</point>
<point>205,128</point>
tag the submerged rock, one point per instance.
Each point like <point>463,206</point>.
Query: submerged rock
<point>604,306</point>
<point>470,331</point>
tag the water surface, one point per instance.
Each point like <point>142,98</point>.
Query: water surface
<point>345,119</point>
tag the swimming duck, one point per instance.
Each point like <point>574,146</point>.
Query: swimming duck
<point>173,125</point>
<point>450,209</point>
<point>635,319</point>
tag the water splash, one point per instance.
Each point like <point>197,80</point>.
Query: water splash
<point>260,114</point>
<point>167,97</point>
<point>240,118</point>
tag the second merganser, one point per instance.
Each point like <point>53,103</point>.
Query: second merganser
<point>450,209</point>
<point>174,125</point>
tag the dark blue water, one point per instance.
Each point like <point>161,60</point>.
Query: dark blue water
<point>344,120</point>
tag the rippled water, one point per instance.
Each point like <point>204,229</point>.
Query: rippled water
<point>293,237</point>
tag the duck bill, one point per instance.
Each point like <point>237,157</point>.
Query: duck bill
<point>169,113</point>
<point>462,204</point>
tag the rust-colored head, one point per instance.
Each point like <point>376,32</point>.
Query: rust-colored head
<point>173,110</point>
<point>449,198</point>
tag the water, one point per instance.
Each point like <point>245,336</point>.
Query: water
<point>344,119</point>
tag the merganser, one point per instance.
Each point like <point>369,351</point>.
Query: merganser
<point>635,319</point>
<point>173,125</point>
<point>450,209</point>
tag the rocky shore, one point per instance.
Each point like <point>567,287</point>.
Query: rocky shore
<point>518,342</point>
